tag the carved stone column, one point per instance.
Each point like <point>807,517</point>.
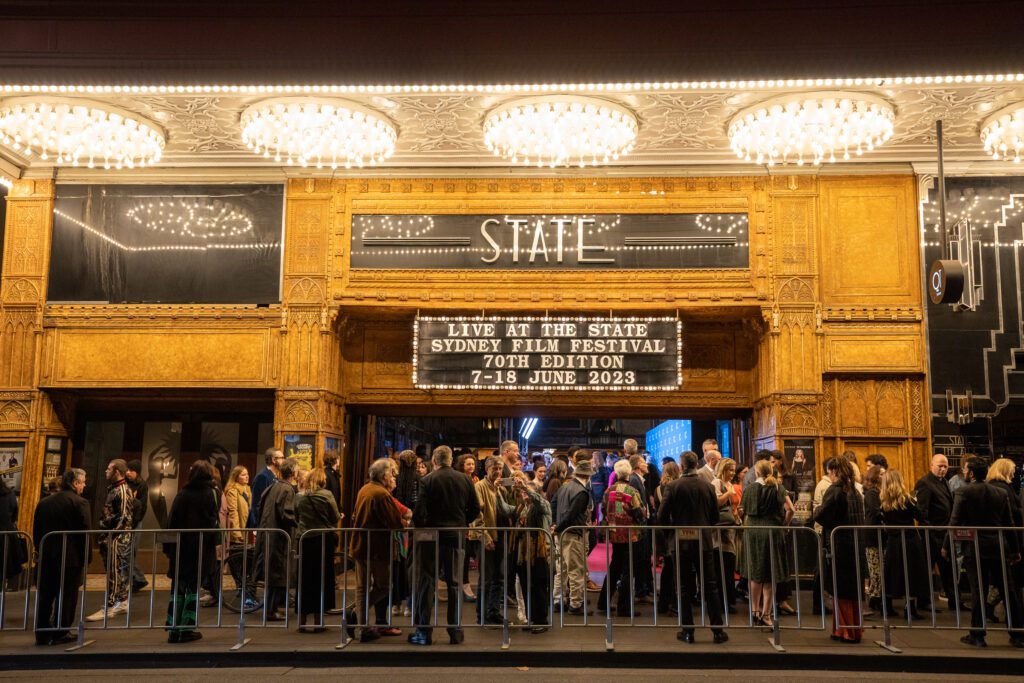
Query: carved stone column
<point>308,400</point>
<point>789,362</point>
<point>27,415</point>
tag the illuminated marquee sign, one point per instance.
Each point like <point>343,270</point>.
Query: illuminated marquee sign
<point>550,241</point>
<point>540,353</point>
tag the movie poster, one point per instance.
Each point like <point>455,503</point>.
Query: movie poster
<point>12,463</point>
<point>799,454</point>
<point>301,447</point>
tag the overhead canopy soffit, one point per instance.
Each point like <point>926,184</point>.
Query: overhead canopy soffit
<point>440,126</point>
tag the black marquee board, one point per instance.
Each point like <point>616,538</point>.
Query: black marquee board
<point>547,353</point>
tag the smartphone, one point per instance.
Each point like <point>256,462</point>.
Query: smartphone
<point>507,481</point>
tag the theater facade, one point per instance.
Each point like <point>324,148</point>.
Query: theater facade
<point>216,303</point>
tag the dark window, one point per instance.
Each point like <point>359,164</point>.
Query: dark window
<point>214,244</point>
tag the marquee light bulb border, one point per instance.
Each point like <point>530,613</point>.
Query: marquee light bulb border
<point>545,319</point>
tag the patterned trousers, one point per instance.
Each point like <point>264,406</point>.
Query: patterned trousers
<point>117,557</point>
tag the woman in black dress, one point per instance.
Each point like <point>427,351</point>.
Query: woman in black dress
<point>903,547</point>
<point>843,506</point>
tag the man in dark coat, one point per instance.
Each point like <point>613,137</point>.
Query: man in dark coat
<point>65,510</point>
<point>191,555</point>
<point>446,499</point>
<point>263,481</point>
<point>981,504</point>
<point>689,501</point>
<point>277,511</point>
<point>935,500</point>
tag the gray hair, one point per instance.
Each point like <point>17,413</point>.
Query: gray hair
<point>71,476</point>
<point>490,462</point>
<point>378,469</point>
<point>629,446</point>
<point>623,469</point>
<point>442,456</point>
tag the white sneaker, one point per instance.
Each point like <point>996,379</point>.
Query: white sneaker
<point>396,610</point>
<point>117,608</point>
<point>97,615</point>
<point>207,601</point>
<point>406,612</point>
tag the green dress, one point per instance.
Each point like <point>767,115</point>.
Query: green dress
<point>764,506</point>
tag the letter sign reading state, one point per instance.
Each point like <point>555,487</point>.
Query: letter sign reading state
<point>579,354</point>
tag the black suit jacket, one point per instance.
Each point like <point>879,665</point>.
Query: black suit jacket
<point>447,499</point>
<point>935,501</point>
<point>981,504</point>
<point>62,511</point>
<point>689,501</point>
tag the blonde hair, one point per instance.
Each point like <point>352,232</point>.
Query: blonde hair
<point>1001,470</point>
<point>763,469</point>
<point>236,472</point>
<point>315,480</point>
<point>722,465</point>
<point>894,493</point>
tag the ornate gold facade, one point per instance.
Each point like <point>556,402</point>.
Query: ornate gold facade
<point>822,337</point>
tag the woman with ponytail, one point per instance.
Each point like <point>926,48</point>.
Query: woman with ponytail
<point>765,503</point>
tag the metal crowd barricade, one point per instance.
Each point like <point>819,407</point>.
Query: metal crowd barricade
<point>12,544</point>
<point>238,572</point>
<point>792,538</point>
<point>963,546</point>
<point>425,555</point>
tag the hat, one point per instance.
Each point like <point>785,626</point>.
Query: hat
<point>135,466</point>
<point>584,468</point>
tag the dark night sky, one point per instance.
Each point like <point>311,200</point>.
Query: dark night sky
<point>448,41</point>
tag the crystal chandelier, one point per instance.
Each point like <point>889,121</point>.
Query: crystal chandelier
<point>1003,133</point>
<point>560,130</point>
<point>70,130</point>
<point>319,132</point>
<point>811,127</point>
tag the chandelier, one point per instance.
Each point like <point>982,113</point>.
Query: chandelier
<point>1003,133</point>
<point>811,127</point>
<point>70,130</point>
<point>560,130</point>
<point>319,132</point>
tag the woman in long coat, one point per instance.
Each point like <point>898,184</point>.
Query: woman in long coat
<point>842,505</point>
<point>900,509</point>
<point>192,555</point>
<point>315,509</point>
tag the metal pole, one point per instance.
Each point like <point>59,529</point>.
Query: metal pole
<point>942,191</point>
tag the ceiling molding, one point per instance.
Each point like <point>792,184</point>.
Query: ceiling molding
<point>680,126</point>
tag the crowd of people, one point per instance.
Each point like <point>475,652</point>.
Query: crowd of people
<point>529,526</point>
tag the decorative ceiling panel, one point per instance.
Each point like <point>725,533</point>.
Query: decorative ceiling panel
<point>682,127</point>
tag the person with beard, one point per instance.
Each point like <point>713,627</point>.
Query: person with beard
<point>192,555</point>
<point>63,511</point>
<point>116,546</point>
<point>277,511</point>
